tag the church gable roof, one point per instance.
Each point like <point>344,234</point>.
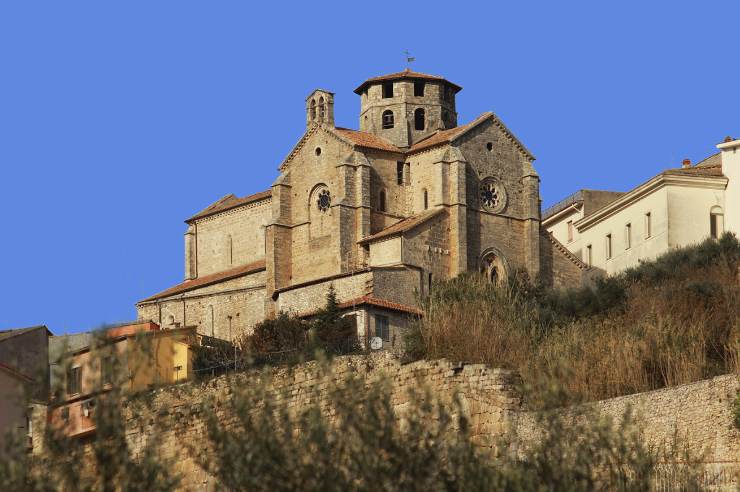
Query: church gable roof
<point>206,280</point>
<point>443,137</point>
<point>404,225</point>
<point>228,202</point>
<point>367,140</point>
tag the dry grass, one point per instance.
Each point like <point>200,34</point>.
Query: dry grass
<point>668,322</point>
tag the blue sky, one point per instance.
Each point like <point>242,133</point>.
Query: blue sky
<point>118,120</point>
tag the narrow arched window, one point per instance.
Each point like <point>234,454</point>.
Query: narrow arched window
<point>387,119</point>
<point>313,110</point>
<point>419,119</point>
<point>426,199</point>
<point>381,201</point>
<point>230,249</point>
<point>716,222</point>
<point>322,110</point>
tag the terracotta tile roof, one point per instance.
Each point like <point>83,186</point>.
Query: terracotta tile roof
<point>371,301</point>
<point>209,280</point>
<point>406,74</point>
<point>711,161</point>
<point>367,140</point>
<point>228,202</point>
<point>705,170</point>
<point>441,137</point>
<point>402,226</point>
<point>382,303</point>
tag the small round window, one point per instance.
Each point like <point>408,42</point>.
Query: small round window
<point>324,200</point>
<point>489,146</point>
<point>492,195</point>
<point>318,150</point>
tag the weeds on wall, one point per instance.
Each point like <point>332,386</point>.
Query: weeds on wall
<point>670,321</point>
<point>352,440</point>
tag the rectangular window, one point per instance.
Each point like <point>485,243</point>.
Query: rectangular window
<point>716,225</point>
<point>106,370</point>
<point>387,90</point>
<point>382,328</point>
<point>429,282</point>
<point>608,246</point>
<point>628,236</point>
<point>399,172</point>
<point>648,225</point>
<point>570,231</point>
<point>74,380</point>
<point>418,88</point>
<point>588,256</point>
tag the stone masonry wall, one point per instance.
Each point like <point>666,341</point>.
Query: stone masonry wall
<point>487,396</point>
<point>700,413</point>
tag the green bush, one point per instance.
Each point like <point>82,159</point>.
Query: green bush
<point>354,441</point>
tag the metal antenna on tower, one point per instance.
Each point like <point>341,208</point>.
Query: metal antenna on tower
<point>409,58</point>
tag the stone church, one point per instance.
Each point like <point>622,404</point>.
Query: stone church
<point>379,213</point>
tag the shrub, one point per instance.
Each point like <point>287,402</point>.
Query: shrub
<point>667,322</point>
<point>355,440</point>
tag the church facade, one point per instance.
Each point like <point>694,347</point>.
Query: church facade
<point>379,213</point>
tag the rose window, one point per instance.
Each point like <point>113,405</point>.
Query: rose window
<point>324,200</point>
<point>490,195</point>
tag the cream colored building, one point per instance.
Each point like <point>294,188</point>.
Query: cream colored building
<point>611,232</point>
<point>379,213</point>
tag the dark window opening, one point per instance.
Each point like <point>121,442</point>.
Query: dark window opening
<point>426,200</point>
<point>381,201</point>
<point>399,172</point>
<point>74,380</point>
<point>321,109</point>
<point>313,110</point>
<point>387,90</point>
<point>318,151</point>
<point>418,89</point>
<point>106,370</point>
<point>387,119</point>
<point>445,118</point>
<point>382,328</point>
<point>429,282</point>
<point>489,146</point>
<point>419,119</point>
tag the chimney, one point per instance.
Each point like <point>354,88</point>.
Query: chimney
<point>686,163</point>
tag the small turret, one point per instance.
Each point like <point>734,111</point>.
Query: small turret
<point>320,107</point>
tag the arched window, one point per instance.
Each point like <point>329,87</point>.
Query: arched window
<point>387,119</point>
<point>319,211</point>
<point>313,110</point>
<point>716,222</point>
<point>381,201</point>
<point>211,322</point>
<point>322,110</point>
<point>426,199</point>
<point>419,119</point>
<point>494,268</point>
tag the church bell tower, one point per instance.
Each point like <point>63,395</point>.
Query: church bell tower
<point>407,106</point>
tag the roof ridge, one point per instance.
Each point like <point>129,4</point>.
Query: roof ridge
<point>207,280</point>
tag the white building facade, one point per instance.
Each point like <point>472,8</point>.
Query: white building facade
<point>611,232</point>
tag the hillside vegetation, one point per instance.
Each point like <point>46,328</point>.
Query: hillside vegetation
<point>670,321</point>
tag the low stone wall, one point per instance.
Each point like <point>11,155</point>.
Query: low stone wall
<point>487,396</point>
<point>700,414</point>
